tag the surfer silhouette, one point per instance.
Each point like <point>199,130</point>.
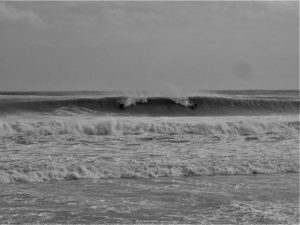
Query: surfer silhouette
<point>121,105</point>
<point>193,106</point>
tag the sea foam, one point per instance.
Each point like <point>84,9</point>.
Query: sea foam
<point>143,125</point>
<point>56,170</point>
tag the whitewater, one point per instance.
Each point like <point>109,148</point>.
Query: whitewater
<point>108,157</point>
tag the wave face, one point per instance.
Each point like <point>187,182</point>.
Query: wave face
<point>153,106</point>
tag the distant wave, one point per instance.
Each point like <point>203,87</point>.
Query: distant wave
<point>155,106</point>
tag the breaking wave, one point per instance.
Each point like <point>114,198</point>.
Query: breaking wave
<point>154,106</point>
<point>55,170</point>
<point>145,125</point>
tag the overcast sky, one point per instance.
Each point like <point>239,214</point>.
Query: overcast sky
<point>149,45</point>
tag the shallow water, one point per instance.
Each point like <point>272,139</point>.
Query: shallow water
<point>256,199</point>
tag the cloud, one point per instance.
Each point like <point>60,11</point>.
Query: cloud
<point>283,9</point>
<point>126,13</point>
<point>10,13</point>
<point>282,6</point>
<point>254,10</point>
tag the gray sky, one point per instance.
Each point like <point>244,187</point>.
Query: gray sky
<point>149,45</point>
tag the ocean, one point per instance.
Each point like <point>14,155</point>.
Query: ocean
<point>212,157</point>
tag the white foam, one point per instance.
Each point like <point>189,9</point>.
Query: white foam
<point>54,170</point>
<point>93,125</point>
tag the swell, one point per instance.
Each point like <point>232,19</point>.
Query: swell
<point>155,106</point>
